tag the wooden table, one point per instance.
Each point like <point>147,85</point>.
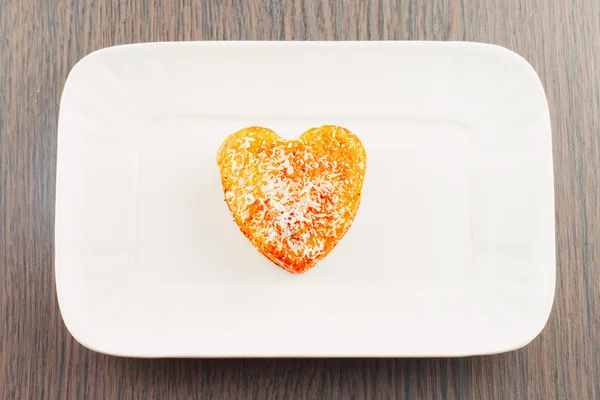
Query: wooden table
<point>41,41</point>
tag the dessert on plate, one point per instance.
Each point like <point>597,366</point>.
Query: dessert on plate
<point>293,199</point>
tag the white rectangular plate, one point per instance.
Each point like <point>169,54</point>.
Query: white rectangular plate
<point>452,250</point>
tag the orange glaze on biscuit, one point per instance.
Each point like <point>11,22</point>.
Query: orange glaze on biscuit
<point>293,199</point>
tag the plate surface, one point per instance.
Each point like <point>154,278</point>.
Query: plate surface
<point>452,250</point>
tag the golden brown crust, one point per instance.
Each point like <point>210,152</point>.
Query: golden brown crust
<point>293,199</point>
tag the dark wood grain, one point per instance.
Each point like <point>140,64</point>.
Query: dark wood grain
<point>41,40</point>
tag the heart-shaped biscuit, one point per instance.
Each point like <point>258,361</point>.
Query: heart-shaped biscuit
<point>293,199</point>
